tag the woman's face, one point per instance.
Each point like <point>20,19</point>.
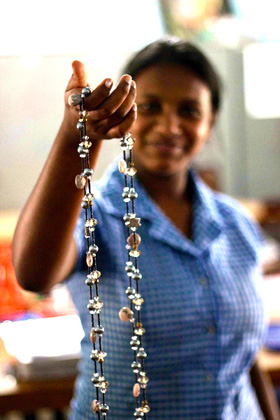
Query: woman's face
<point>174,119</point>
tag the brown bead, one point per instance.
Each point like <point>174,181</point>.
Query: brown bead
<point>95,405</point>
<point>93,336</point>
<point>145,408</point>
<point>125,314</point>
<point>134,239</point>
<point>136,390</point>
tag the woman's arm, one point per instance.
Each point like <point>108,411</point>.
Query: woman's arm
<point>44,251</point>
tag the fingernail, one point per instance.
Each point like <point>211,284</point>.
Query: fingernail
<point>133,84</point>
<point>127,79</point>
<point>108,83</point>
<point>134,107</point>
<point>74,99</point>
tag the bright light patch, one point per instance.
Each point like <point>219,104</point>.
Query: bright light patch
<point>261,80</point>
<point>64,27</point>
<point>31,61</point>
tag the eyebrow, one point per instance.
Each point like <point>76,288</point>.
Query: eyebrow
<point>189,101</point>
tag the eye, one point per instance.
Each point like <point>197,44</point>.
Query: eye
<point>190,111</point>
<point>148,107</point>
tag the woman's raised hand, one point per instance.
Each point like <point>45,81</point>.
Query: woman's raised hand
<point>111,113</point>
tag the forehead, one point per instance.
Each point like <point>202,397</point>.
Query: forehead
<point>172,82</point>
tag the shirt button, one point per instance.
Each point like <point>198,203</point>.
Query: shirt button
<point>204,281</point>
<point>211,329</point>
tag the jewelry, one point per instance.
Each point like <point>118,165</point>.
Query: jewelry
<point>95,304</point>
<point>127,168</point>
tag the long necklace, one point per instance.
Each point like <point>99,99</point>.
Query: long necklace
<point>95,304</point>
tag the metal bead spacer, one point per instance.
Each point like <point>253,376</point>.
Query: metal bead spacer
<point>137,275</point>
<point>130,291</point>
<point>138,414</point>
<point>104,408</point>
<point>82,151</point>
<point>95,379</point>
<point>99,330</point>
<point>132,193</point>
<point>136,366</point>
<point>80,126</point>
<point>141,353</point>
<point>86,91</point>
<point>93,249</point>
<point>123,144</point>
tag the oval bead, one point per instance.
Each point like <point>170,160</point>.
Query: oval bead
<point>80,182</point>
<point>89,259</point>
<point>95,405</point>
<point>136,390</point>
<point>125,314</point>
<point>122,166</point>
<point>93,336</point>
<point>134,239</point>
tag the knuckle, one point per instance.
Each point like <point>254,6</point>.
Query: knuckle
<point>105,112</point>
<point>122,131</point>
<point>120,114</point>
<point>125,87</point>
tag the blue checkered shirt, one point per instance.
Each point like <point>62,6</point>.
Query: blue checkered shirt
<point>203,315</point>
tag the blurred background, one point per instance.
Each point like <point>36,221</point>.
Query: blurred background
<point>39,42</point>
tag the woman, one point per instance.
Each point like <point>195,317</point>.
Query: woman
<point>199,253</point>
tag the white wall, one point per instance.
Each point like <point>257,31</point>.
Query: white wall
<point>41,40</point>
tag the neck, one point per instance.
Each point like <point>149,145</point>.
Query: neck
<point>165,188</point>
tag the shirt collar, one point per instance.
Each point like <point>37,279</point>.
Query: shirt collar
<point>207,220</point>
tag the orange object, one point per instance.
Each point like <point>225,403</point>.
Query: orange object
<point>11,294</point>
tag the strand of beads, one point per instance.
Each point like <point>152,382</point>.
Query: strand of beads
<point>83,181</point>
<point>126,167</point>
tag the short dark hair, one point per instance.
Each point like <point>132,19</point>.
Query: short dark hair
<point>172,50</point>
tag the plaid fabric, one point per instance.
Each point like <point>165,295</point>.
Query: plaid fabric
<point>203,314</point>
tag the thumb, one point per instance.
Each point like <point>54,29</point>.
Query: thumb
<point>79,76</point>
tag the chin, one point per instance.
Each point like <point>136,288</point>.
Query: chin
<point>162,169</point>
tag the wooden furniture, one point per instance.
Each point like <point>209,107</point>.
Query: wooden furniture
<point>270,363</point>
<point>31,396</point>
<point>28,397</point>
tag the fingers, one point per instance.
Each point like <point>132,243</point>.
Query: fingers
<point>113,103</point>
<point>111,114</point>
<point>98,95</point>
<point>119,116</point>
<point>79,76</point>
<point>124,127</point>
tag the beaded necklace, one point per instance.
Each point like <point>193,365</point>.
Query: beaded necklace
<point>95,304</point>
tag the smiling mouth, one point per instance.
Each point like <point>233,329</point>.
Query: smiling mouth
<point>166,147</point>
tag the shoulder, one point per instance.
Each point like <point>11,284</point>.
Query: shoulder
<point>237,217</point>
<point>233,218</point>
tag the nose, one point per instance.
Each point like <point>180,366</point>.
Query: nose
<point>168,124</point>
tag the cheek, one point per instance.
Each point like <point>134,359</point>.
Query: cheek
<point>141,126</point>
<point>202,132</point>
